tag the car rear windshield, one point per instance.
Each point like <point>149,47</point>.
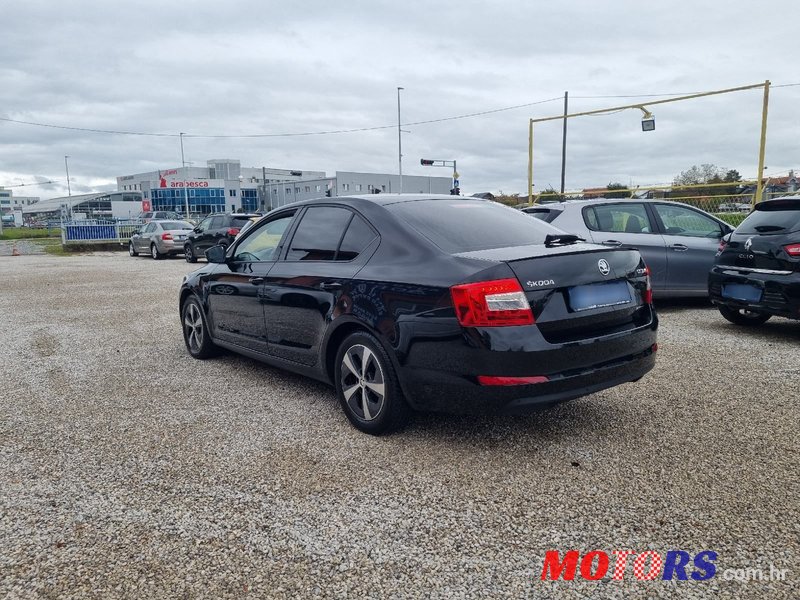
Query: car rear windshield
<point>170,225</point>
<point>240,221</point>
<point>466,225</point>
<point>773,216</point>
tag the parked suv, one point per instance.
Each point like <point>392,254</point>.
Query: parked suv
<point>757,270</point>
<point>214,229</point>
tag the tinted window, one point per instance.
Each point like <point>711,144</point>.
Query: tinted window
<point>239,221</point>
<point>678,220</point>
<point>217,223</point>
<point>544,214</point>
<point>204,224</point>
<point>263,243</point>
<point>318,235</point>
<point>357,237</point>
<point>774,216</point>
<point>169,225</point>
<point>617,218</point>
<point>466,225</point>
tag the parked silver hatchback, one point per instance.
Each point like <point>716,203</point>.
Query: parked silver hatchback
<point>160,238</point>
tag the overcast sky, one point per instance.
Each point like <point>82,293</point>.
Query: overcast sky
<point>241,68</point>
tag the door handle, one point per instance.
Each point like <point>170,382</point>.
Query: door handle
<point>614,243</point>
<point>679,247</point>
<point>330,285</point>
<point>257,280</point>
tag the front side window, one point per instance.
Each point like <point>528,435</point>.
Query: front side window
<point>217,223</point>
<point>630,217</point>
<point>679,220</point>
<point>263,244</point>
<point>319,233</point>
<point>204,224</point>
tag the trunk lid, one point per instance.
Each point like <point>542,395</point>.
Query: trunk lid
<point>578,291</point>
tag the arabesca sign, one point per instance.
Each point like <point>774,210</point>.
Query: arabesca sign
<point>646,566</point>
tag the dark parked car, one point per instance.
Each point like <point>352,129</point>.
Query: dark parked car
<point>757,270</point>
<point>146,217</point>
<point>215,229</point>
<point>677,241</point>
<point>432,303</point>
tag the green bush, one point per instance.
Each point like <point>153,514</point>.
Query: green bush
<point>25,233</point>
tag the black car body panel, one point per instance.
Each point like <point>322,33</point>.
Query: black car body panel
<point>397,286</point>
<point>758,267</point>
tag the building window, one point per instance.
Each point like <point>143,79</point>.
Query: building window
<point>275,192</point>
<point>345,186</point>
<point>319,188</point>
<point>297,190</point>
<point>308,188</point>
<point>358,187</point>
<point>369,187</point>
<point>233,193</point>
<point>289,191</point>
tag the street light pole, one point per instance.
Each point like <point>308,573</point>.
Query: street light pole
<point>399,142</point>
<point>66,166</point>
<point>185,190</point>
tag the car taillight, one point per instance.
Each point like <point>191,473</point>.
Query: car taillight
<point>497,303</point>
<point>647,297</point>
<point>792,249</point>
<point>492,380</point>
<point>233,231</point>
<point>166,236</point>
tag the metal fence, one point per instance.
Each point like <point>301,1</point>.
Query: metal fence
<point>97,231</point>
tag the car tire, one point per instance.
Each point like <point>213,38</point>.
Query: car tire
<point>195,330</point>
<point>155,253</point>
<point>132,249</point>
<point>362,371</point>
<point>743,317</point>
<point>188,253</point>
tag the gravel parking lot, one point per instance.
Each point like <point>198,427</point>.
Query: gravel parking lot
<point>127,469</point>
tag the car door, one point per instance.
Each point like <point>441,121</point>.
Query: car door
<point>236,288</point>
<point>692,239</point>
<point>216,232</point>
<point>629,225</point>
<point>143,239</point>
<point>197,235</point>
<point>327,248</point>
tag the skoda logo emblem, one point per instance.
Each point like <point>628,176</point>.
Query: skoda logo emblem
<point>602,264</point>
<point>748,243</point>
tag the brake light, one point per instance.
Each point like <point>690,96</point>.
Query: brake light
<point>233,231</point>
<point>491,380</point>
<point>647,297</point>
<point>497,303</point>
<point>166,236</point>
<point>792,249</point>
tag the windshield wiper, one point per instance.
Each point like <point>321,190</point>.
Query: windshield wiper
<point>564,239</point>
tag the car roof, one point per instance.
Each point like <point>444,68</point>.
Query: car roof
<point>382,199</point>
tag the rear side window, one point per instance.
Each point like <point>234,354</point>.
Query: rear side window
<point>239,221</point>
<point>358,237</point>
<point>319,233</point>
<point>543,214</point>
<point>773,216</point>
<point>217,223</point>
<point>467,225</point>
<point>617,218</point>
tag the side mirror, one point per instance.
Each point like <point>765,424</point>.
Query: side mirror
<point>216,254</point>
<point>197,230</point>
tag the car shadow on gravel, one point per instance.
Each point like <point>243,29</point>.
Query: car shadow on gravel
<point>776,329</point>
<point>669,305</point>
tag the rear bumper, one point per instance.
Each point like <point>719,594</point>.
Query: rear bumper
<point>780,293</point>
<point>447,381</point>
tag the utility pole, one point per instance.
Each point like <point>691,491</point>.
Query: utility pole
<point>399,142</point>
<point>564,144</point>
<point>66,166</point>
<point>185,190</point>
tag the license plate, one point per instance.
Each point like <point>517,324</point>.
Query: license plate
<point>741,291</point>
<point>180,237</point>
<point>598,295</point>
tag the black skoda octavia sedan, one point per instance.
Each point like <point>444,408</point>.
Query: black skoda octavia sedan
<point>421,302</point>
<point>757,270</point>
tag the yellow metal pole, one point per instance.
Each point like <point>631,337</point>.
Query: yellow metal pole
<point>763,145</point>
<point>530,161</point>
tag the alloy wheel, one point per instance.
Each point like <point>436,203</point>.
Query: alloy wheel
<point>154,251</point>
<point>131,249</point>
<point>193,327</point>
<point>363,382</point>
